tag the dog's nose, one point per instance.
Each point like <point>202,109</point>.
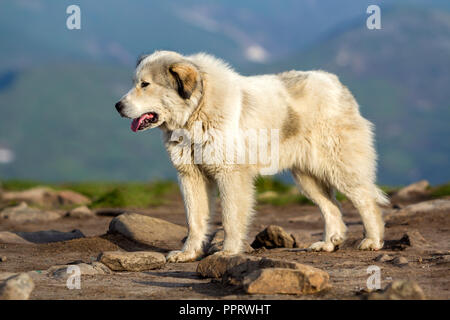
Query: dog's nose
<point>119,107</point>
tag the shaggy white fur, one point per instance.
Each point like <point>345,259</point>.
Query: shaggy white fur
<point>312,121</point>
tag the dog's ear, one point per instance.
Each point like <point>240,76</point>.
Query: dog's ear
<point>141,57</point>
<point>184,78</point>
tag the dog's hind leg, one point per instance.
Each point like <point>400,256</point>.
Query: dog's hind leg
<point>365,201</point>
<point>324,197</point>
<point>197,192</point>
<point>237,199</point>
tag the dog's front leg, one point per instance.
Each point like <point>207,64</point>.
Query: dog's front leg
<point>195,189</point>
<point>237,198</point>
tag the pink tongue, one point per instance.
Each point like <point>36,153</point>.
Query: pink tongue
<point>136,123</point>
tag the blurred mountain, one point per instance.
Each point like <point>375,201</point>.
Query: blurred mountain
<point>58,87</point>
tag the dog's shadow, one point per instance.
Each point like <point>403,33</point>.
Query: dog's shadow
<point>211,288</point>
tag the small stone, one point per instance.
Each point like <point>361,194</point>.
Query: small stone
<point>11,237</point>
<point>383,258</point>
<point>3,259</point>
<point>132,261</point>
<point>400,261</point>
<point>101,268</point>
<point>148,230</point>
<point>69,197</point>
<point>17,287</point>
<point>400,290</point>
<point>82,212</point>
<point>6,275</point>
<point>273,237</point>
<point>284,281</point>
<point>24,214</point>
<point>64,271</point>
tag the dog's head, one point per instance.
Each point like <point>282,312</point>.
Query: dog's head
<point>167,89</point>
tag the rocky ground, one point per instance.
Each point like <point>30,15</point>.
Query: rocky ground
<point>121,255</point>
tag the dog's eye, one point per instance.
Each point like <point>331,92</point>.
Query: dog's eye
<point>144,84</point>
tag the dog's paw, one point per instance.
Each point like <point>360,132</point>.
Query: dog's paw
<point>322,246</point>
<point>182,256</point>
<point>226,252</point>
<point>370,244</point>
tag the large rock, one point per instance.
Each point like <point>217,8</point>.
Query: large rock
<point>216,243</point>
<point>240,274</point>
<point>250,273</point>
<point>411,238</point>
<point>216,265</point>
<point>24,214</point>
<point>413,192</point>
<point>400,290</point>
<point>132,261</point>
<point>39,236</point>
<point>46,197</point>
<point>148,230</point>
<point>17,287</point>
<point>284,281</point>
<point>273,237</point>
<point>414,238</point>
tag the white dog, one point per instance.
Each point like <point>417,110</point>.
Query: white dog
<point>320,137</point>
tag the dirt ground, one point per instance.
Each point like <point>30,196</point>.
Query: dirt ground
<point>347,266</point>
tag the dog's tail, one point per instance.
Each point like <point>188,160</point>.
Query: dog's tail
<point>381,197</point>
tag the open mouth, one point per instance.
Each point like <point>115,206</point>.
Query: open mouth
<point>144,121</point>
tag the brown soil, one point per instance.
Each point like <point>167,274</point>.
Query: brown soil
<point>347,266</point>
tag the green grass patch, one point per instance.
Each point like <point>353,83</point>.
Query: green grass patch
<point>442,190</point>
<point>264,184</point>
<point>108,194</point>
<point>277,192</point>
<point>122,195</point>
<point>282,200</point>
<point>19,185</point>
